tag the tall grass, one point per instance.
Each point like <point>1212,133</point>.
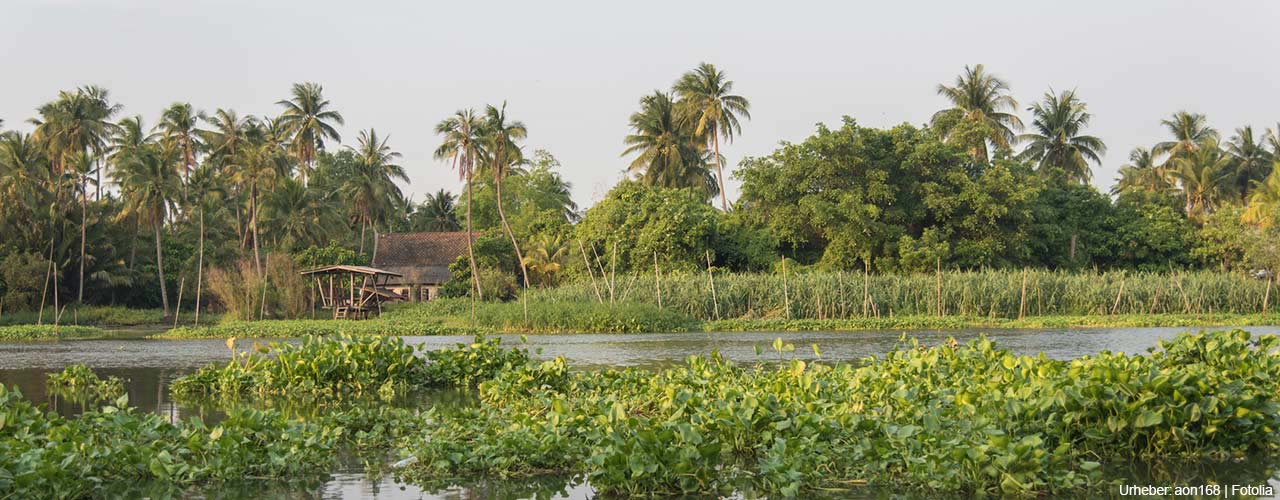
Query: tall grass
<point>989,293</point>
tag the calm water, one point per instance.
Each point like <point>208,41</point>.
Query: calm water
<point>149,366</point>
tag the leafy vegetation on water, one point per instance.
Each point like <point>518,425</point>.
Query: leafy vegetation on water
<point>347,366</point>
<point>958,322</point>
<point>48,332</point>
<point>314,327</point>
<point>98,316</point>
<point>80,383</point>
<point>47,456</point>
<point>969,418</point>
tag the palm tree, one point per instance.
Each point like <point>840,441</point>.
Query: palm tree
<point>204,188</point>
<point>1251,163</point>
<point>148,187</point>
<point>307,119</point>
<point>1264,202</point>
<point>227,135</point>
<point>461,144</point>
<point>546,258</point>
<point>24,178</point>
<point>257,164</point>
<point>1057,142</point>
<point>177,129</point>
<point>299,216</point>
<point>706,96</point>
<point>668,153</point>
<point>1141,174</point>
<point>372,190</point>
<point>981,101</point>
<point>82,169</point>
<point>435,214</point>
<point>1204,175</point>
<point>500,144</point>
<point>1190,131</point>
<point>1272,138</point>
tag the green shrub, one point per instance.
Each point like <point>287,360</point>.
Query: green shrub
<point>313,327</point>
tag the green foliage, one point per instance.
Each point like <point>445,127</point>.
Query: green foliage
<point>80,383</point>
<point>91,316</point>
<point>968,419</point>
<point>318,366</point>
<point>640,221</point>
<point>547,316</point>
<point>55,457</point>
<point>48,332</point>
<point>990,293</point>
<point>22,276</point>
<point>466,364</point>
<point>334,254</point>
<point>293,328</point>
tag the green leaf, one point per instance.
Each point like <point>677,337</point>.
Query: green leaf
<point>1147,418</point>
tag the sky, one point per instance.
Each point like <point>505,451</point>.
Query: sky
<point>574,71</point>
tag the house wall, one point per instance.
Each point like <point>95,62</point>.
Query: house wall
<point>418,293</point>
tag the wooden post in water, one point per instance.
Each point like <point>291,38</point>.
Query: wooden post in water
<point>786,294</point>
<point>715,303</point>
<point>866,287</point>
<point>657,278</point>
<point>45,293</point>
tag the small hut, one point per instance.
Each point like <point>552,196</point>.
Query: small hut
<point>419,261</point>
<point>337,289</point>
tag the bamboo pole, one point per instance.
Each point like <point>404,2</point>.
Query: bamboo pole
<point>657,278</point>
<point>1022,303</point>
<point>1116,305</point>
<point>587,262</point>
<point>866,287</point>
<point>1266,299</point>
<point>603,275</point>
<point>45,293</point>
<point>177,306</point>
<point>786,294</point>
<point>715,303</point>
<point>939,285</point>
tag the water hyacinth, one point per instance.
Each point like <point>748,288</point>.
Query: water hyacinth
<point>970,418</point>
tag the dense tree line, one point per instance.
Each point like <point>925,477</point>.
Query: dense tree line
<point>100,207</point>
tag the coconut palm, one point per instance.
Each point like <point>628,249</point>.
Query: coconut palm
<point>435,214</point>
<point>205,190</point>
<point>298,217</point>
<point>546,258</point>
<point>706,96</point>
<point>1264,200</point>
<point>1272,140</point>
<point>308,120</point>
<point>24,179</point>
<point>226,135</point>
<point>77,122</point>
<point>1190,132</point>
<point>177,129</point>
<point>462,144</point>
<point>983,101</point>
<point>148,187</point>
<point>1057,142</point>
<point>668,154</point>
<point>371,190</point>
<point>1251,162</point>
<point>501,135</point>
<point>1141,174</point>
<point>258,164</point>
<point>1204,176</point>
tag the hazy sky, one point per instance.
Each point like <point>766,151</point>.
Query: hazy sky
<point>574,71</point>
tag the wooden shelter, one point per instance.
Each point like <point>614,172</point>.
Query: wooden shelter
<point>420,261</point>
<point>356,301</point>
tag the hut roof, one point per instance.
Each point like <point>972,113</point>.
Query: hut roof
<point>350,269</point>
<point>421,258</point>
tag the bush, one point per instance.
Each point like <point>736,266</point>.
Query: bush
<point>78,382</point>
<point>47,332</point>
<point>22,278</point>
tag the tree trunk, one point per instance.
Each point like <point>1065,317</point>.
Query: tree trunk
<point>524,270</point>
<point>724,202</point>
<point>253,206</point>
<point>84,220</point>
<point>471,253</point>
<point>363,222</point>
<point>200,266</point>
<point>164,294</point>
